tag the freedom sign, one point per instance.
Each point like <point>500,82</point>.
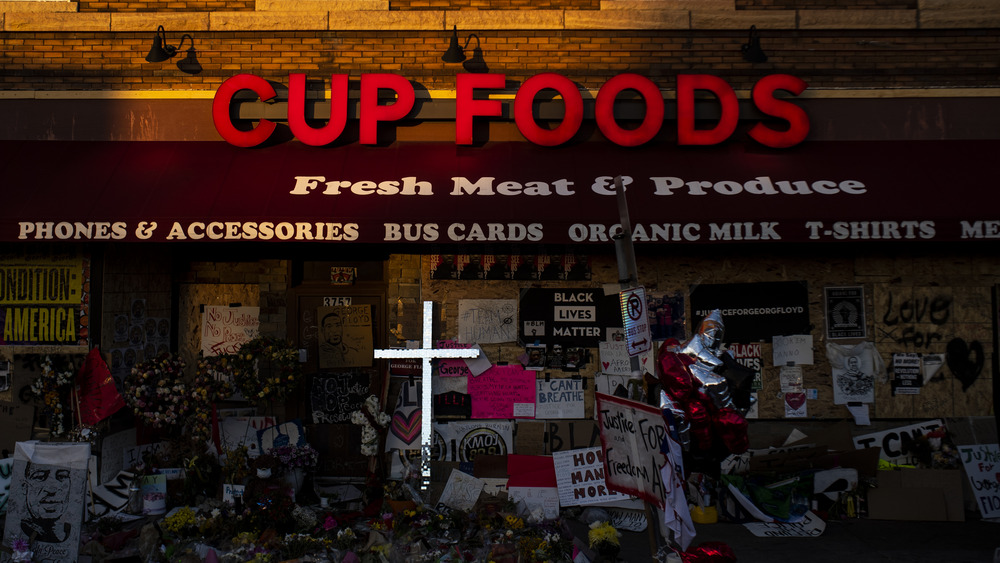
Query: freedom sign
<point>631,434</point>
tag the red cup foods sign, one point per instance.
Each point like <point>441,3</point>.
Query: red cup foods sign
<point>467,108</point>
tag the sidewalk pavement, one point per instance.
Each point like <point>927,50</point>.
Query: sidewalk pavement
<point>848,541</point>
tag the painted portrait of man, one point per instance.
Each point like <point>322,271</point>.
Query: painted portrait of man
<point>46,502</point>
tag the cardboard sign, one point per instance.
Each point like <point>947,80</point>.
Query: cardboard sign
<point>810,526</point>
<point>559,398</point>
<point>614,358</point>
<point>231,492</point>
<point>487,321</point>
<point>237,431</point>
<point>225,329</point>
<point>794,350</point>
<point>580,477</point>
<point>110,496</point>
<point>897,444</point>
<point>497,391</point>
<point>113,448</point>
<point>532,499</point>
<point>545,438</point>
<point>631,434</point>
<point>982,465</point>
<point>334,396</point>
<point>463,441</point>
<point>461,491</point>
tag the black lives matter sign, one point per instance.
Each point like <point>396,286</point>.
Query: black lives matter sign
<point>578,317</point>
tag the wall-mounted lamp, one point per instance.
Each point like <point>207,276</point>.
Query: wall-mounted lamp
<point>161,51</point>
<point>456,53</point>
<point>752,53</point>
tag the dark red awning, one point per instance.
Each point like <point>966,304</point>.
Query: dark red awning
<point>501,192</point>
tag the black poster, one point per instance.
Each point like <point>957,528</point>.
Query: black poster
<point>452,406</point>
<point>754,312</point>
<point>845,312</point>
<point>574,317</point>
<point>335,396</point>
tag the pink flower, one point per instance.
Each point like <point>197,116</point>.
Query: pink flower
<point>330,523</point>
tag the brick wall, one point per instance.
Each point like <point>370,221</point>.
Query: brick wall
<point>824,59</point>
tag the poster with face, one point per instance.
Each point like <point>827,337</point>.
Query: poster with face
<point>345,336</point>
<point>47,498</point>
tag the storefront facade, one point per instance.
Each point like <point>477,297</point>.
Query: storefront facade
<point>856,156</point>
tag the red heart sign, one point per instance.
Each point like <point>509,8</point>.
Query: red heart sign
<point>406,428</point>
<point>795,400</point>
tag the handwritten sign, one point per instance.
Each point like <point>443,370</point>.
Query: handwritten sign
<point>453,368</point>
<point>225,329</point>
<point>461,491</point>
<point>487,321</point>
<point>231,492</point>
<point>580,477</point>
<point>982,465</point>
<point>495,392</point>
<point>529,499</point>
<point>334,397</point>
<point>897,444</point>
<point>559,398</point>
<point>792,350</point>
<point>614,358</point>
<point>631,434</point>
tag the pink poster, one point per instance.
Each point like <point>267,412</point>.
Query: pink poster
<point>452,368</point>
<point>503,392</point>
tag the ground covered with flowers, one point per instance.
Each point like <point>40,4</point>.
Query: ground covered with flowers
<point>269,527</point>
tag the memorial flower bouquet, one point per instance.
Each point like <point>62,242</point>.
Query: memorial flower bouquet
<point>604,538</point>
<point>304,456</point>
<point>373,423</point>
<point>157,394</point>
<point>50,388</point>
<point>265,368</point>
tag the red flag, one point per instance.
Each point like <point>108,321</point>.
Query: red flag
<point>99,398</point>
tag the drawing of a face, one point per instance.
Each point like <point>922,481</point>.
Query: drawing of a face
<point>853,364</point>
<point>333,329</point>
<point>46,490</point>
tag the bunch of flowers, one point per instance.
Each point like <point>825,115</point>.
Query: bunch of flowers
<point>236,468</point>
<point>21,550</point>
<point>265,368</point>
<point>214,377</point>
<point>304,456</point>
<point>603,537</point>
<point>373,422</point>
<point>181,522</point>
<point>50,387</point>
<point>157,394</point>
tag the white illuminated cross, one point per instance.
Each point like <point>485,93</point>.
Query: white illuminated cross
<point>426,354</point>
